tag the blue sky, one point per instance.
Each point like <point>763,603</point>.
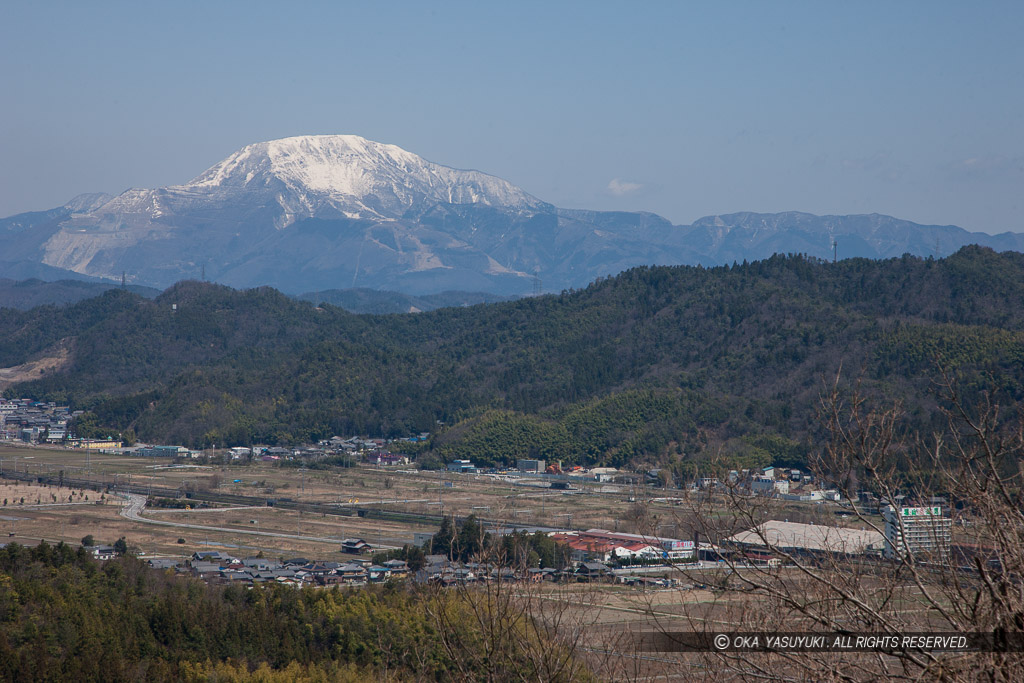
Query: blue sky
<point>913,109</point>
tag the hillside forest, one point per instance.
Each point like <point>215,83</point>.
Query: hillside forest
<point>67,617</point>
<point>669,365</point>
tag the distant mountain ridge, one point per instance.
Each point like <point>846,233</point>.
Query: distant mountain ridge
<point>326,212</point>
<point>751,236</point>
<point>26,294</point>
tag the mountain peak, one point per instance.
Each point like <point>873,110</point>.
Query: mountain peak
<point>315,159</point>
<point>360,176</point>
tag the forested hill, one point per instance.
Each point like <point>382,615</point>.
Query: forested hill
<point>68,617</point>
<point>376,301</point>
<point>652,363</point>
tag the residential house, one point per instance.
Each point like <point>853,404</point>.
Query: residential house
<point>352,572</point>
<point>592,571</point>
<point>163,563</point>
<point>103,552</point>
<point>205,570</point>
<point>215,556</point>
<point>397,568</point>
<point>378,574</point>
<point>354,546</point>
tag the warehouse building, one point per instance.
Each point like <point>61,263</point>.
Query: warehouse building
<point>791,537</point>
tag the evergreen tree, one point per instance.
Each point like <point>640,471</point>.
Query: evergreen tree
<point>441,543</point>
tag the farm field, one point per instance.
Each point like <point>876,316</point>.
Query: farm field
<point>262,498</point>
<point>410,492</point>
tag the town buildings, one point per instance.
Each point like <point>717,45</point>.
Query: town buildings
<point>606,546</point>
<point>24,419</point>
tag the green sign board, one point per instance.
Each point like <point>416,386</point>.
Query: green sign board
<point>935,511</point>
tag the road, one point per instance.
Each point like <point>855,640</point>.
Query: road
<point>135,504</point>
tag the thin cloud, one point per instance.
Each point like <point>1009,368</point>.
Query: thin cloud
<point>620,187</point>
<point>986,167</point>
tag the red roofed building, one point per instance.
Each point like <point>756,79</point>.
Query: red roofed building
<point>587,545</point>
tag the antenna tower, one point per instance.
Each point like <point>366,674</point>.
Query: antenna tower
<point>122,279</point>
<point>835,251</point>
<point>536,282</point>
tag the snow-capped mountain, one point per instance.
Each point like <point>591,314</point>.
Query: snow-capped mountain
<point>240,218</point>
<point>339,211</point>
<point>355,176</point>
<point>325,176</point>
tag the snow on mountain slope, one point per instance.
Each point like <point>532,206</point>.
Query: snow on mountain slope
<point>359,177</point>
<point>269,187</point>
<point>88,201</point>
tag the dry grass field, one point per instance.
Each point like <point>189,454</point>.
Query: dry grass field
<point>587,505</point>
<point>406,490</point>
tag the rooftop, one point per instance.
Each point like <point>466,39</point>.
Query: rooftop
<point>796,536</point>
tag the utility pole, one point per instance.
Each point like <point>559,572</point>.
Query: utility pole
<point>568,519</point>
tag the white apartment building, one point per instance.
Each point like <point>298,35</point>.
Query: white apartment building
<point>916,531</point>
